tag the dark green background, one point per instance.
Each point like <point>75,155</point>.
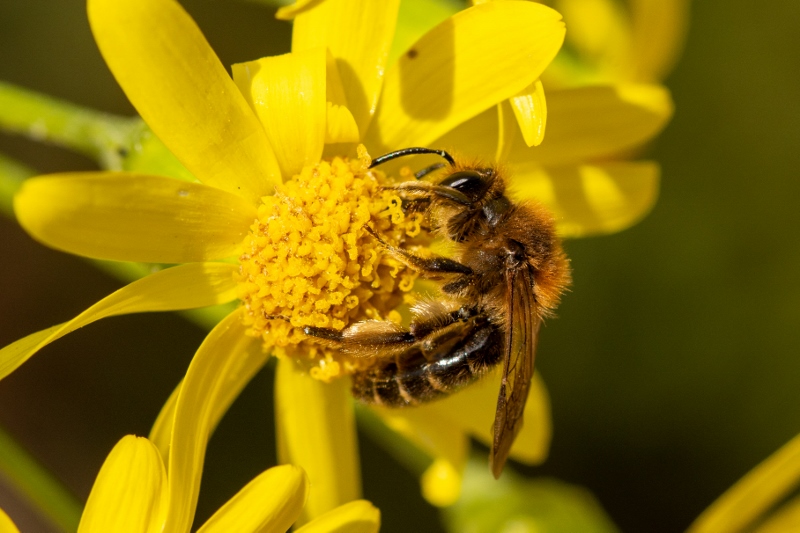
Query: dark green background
<point>674,366</point>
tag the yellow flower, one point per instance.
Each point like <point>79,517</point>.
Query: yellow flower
<point>758,502</point>
<point>241,139</point>
<point>135,491</point>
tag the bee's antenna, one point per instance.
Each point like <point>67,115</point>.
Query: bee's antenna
<point>427,170</point>
<point>411,151</point>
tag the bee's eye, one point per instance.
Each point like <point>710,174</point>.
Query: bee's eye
<point>471,183</point>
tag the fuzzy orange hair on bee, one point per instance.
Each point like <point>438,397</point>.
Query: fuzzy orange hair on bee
<point>506,275</point>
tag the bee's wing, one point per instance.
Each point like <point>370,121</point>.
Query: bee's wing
<point>522,330</point>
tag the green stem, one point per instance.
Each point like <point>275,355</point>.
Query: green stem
<point>100,136</point>
<point>38,486</point>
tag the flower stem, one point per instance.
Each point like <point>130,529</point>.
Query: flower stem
<point>38,486</point>
<point>43,118</point>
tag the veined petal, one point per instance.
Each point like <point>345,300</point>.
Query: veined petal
<point>530,109</point>
<point>269,503</point>
<point>754,494</point>
<point>128,494</point>
<point>359,516</point>
<point>6,524</point>
<point>181,287</point>
<point>316,431</point>
<point>300,6</point>
<point>659,30</point>
<point>176,83</point>
<point>589,199</point>
<point>287,93</point>
<point>252,361</point>
<point>222,363</point>
<point>598,121</point>
<point>359,35</point>
<point>131,217</point>
<point>472,61</point>
<point>340,126</point>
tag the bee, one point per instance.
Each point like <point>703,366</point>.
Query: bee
<point>506,275</point>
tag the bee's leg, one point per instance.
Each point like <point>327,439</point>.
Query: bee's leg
<point>432,266</point>
<point>426,189</point>
<point>438,326</point>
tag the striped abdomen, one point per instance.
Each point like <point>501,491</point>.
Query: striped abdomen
<point>409,378</point>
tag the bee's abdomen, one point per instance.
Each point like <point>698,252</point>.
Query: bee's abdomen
<point>409,378</point>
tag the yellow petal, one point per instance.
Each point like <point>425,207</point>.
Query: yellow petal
<point>358,35</point>
<point>222,363</point>
<point>291,11</point>
<point>181,287</point>
<point>474,60</point>
<point>359,516</point>
<point>530,109</point>
<point>589,199</point>
<point>128,494</point>
<point>269,503</point>
<point>659,31</point>
<point>161,432</point>
<point>176,83</point>
<point>340,125</point>
<point>132,217</point>
<point>754,494</point>
<point>599,121</point>
<point>441,483</point>
<point>287,93</point>
<point>473,410</point>
<point>6,524</point>
<point>316,431</point>
<point>599,31</point>
<point>786,518</point>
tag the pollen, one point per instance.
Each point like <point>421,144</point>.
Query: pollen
<point>310,259</point>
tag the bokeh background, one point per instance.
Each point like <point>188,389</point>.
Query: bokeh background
<point>674,366</point>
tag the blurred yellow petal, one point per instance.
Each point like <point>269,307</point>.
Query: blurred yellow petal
<point>467,64</point>
<point>316,431</point>
<point>340,126</point>
<point>128,494</point>
<point>359,516</point>
<point>287,93</point>
<point>6,524</point>
<point>473,409</point>
<point>131,217</point>
<point>176,83</point>
<point>223,362</point>
<point>786,518</point>
<point>762,487</point>
<point>530,110</point>
<point>599,30</point>
<point>599,121</point>
<point>291,11</point>
<point>358,35</point>
<point>181,287</point>
<point>252,362</point>
<point>589,199</point>
<point>441,483</point>
<point>507,131</point>
<point>269,503</point>
<point>659,31</point>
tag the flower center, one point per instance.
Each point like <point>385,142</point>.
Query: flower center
<point>310,261</point>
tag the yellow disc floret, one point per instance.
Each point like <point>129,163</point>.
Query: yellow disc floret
<point>309,260</point>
